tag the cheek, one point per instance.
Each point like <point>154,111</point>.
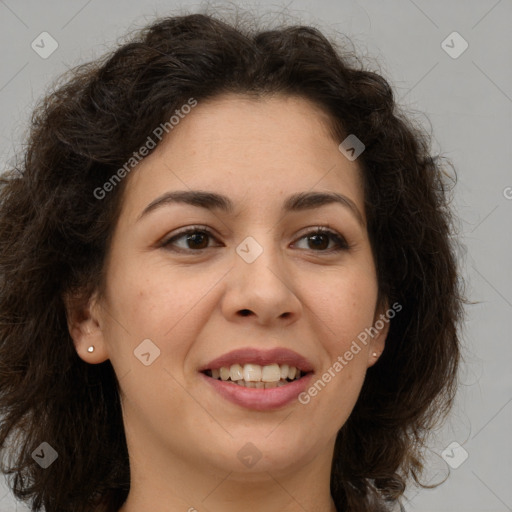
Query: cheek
<point>163,304</point>
<point>344,303</point>
<point>152,306</point>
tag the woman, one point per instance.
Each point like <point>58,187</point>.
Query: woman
<point>228,281</point>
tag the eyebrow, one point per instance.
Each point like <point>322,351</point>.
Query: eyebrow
<point>301,201</point>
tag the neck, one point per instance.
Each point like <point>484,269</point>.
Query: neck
<point>170,484</point>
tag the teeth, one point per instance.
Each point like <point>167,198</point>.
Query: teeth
<point>252,372</point>
<point>259,384</point>
<point>236,372</point>
<point>256,376</point>
<point>271,373</point>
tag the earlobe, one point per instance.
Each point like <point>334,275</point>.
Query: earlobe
<point>84,325</point>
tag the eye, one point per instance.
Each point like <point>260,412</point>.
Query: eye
<point>320,237</point>
<point>195,238</point>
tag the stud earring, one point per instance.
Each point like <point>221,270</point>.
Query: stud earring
<point>90,349</point>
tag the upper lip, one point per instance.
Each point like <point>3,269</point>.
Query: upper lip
<point>262,357</point>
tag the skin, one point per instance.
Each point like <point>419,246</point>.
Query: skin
<point>183,438</point>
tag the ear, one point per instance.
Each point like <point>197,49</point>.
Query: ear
<point>85,328</point>
<point>380,329</point>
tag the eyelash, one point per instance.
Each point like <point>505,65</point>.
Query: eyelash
<point>342,244</point>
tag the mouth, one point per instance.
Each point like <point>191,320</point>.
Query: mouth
<point>256,376</point>
<point>258,380</point>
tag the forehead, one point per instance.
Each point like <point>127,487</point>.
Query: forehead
<point>264,148</point>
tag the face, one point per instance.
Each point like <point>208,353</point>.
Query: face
<point>254,276</point>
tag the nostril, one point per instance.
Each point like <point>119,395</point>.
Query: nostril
<point>245,312</point>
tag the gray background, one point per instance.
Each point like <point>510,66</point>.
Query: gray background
<point>466,101</point>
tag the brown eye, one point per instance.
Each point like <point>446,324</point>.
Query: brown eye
<point>319,240</point>
<point>195,239</point>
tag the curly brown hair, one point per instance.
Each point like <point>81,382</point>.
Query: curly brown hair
<point>55,235</point>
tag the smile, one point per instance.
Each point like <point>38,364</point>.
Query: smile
<point>258,379</point>
<point>255,375</point>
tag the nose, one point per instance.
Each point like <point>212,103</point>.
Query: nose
<point>262,290</point>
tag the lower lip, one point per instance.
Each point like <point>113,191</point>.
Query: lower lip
<point>260,399</point>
